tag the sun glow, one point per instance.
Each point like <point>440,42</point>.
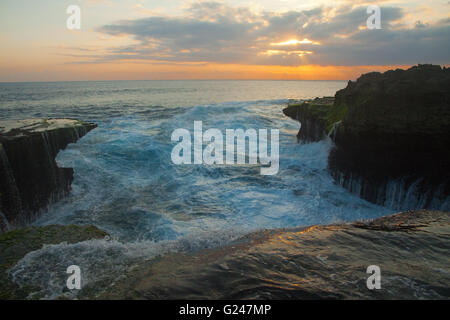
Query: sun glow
<point>295,42</point>
<point>300,53</point>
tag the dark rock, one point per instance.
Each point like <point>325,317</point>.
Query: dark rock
<point>392,136</point>
<point>313,118</point>
<point>393,145</point>
<point>29,177</point>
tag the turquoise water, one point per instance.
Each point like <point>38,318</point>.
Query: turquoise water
<point>126,184</point>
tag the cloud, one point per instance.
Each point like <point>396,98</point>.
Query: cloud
<point>216,33</point>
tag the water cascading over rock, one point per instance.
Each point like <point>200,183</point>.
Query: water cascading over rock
<point>392,141</point>
<point>30,178</point>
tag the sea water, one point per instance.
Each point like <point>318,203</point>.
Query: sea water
<point>126,184</point>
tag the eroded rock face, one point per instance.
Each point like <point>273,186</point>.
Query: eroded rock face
<point>392,136</point>
<point>29,177</point>
<point>312,117</point>
<point>393,145</point>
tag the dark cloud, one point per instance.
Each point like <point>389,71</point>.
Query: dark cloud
<point>378,47</point>
<point>213,32</point>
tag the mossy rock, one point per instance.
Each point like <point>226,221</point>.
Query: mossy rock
<point>327,114</point>
<point>14,245</point>
<point>330,114</point>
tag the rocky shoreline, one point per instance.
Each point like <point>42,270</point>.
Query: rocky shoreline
<point>391,136</point>
<point>30,179</point>
<point>317,262</point>
<point>14,245</point>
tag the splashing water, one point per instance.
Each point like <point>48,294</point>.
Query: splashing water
<point>126,184</point>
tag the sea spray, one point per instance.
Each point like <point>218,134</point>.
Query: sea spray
<point>235,147</point>
<point>126,184</point>
<point>102,262</point>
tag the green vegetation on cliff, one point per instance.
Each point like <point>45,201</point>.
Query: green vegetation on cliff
<point>392,127</point>
<point>320,109</point>
<point>397,128</point>
<point>397,101</point>
<point>413,101</point>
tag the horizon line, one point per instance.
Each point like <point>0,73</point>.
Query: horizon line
<point>117,80</point>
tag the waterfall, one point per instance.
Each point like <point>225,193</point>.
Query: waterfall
<point>6,172</point>
<point>333,131</point>
<point>4,224</point>
<point>77,135</point>
<point>399,195</point>
<point>50,153</point>
<point>396,194</point>
<point>9,186</point>
<point>47,145</point>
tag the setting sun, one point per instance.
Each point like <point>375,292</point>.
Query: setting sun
<point>295,42</point>
<point>180,39</point>
<point>227,150</point>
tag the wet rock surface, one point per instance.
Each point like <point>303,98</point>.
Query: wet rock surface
<point>319,262</point>
<point>29,177</point>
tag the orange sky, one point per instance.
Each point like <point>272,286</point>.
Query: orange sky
<point>140,39</point>
<point>143,71</point>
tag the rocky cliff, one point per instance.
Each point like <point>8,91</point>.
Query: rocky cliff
<point>317,262</point>
<point>392,137</point>
<point>313,117</point>
<point>30,179</point>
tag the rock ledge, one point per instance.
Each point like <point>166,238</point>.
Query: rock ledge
<point>30,179</point>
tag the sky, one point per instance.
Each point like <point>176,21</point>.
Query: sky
<point>185,39</point>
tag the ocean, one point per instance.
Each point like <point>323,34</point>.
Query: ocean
<point>126,184</point>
